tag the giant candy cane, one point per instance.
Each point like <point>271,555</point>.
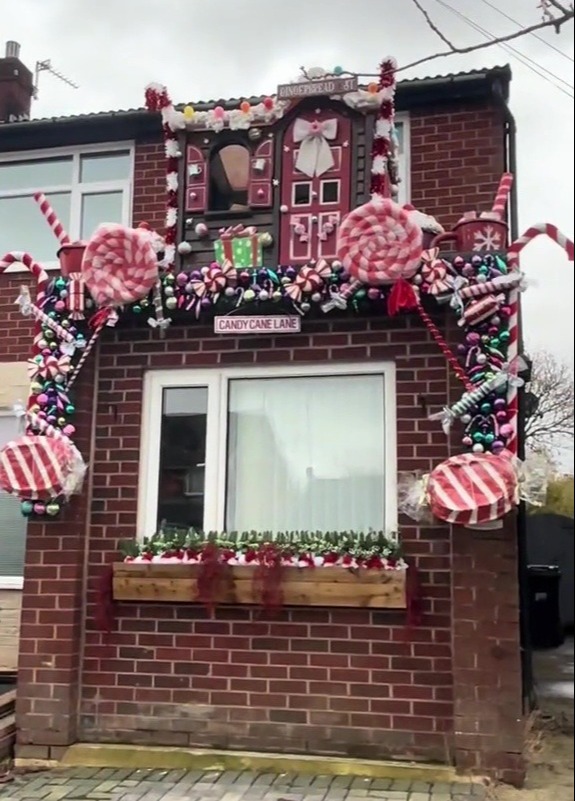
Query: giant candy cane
<point>513,256</point>
<point>42,280</point>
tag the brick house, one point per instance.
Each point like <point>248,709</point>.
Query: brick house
<point>333,681</point>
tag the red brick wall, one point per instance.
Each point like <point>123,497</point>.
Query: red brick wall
<point>325,681</point>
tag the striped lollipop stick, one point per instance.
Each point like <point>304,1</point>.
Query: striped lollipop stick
<point>51,218</point>
<point>27,307</point>
<point>540,229</point>
<point>445,349</point>
<point>500,202</point>
<point>42,280</point>
<point>104,317</point>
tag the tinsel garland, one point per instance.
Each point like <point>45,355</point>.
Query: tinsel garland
<point>382,147</point>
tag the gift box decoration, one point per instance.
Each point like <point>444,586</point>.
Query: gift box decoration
<point>241,246</point>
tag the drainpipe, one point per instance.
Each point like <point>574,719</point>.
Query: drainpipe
<point>510,149</point>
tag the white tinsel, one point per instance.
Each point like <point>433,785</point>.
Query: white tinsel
<point>383,128</point>
<point>171,217</point>
<point>174,119</point>
<point>172,181</point>
<point>378,166</point>
<point>172,149</point>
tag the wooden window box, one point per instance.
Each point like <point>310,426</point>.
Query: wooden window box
<point>322,586</point>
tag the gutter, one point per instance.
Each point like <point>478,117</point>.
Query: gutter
<point>529,700</point>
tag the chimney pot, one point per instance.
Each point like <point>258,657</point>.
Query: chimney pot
<point>12,50</point>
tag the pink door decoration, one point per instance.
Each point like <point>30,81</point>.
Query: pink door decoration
<point>315,185</point>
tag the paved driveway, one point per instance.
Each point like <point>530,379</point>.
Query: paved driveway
<point>109,784</point>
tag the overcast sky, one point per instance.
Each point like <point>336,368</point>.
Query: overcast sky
<point>205,49</point>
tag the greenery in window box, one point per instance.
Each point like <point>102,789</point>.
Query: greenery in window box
<point>293,548</point>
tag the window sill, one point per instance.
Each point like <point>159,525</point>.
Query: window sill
<point>11,582</point>
<point>322,586</point>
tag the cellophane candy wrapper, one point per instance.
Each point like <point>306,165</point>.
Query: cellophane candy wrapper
<point>533,477</point>
<point>412,497</point>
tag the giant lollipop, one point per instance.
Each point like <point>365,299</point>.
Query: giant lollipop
<point>378,243</point>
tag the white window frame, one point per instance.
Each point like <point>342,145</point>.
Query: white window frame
<point>77,189</point>
<point>11,582</point>
<point>405,159</point>
<point>217,383</point>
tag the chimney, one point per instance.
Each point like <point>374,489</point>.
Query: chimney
<point>16,86</point>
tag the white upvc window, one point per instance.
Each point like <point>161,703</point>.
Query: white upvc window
<point>269,449</point>
<point>12,523</point>
<point>404,166</point>
<point>86,186</point>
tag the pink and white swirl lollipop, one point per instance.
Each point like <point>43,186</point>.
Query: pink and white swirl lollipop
<point>378,243</point>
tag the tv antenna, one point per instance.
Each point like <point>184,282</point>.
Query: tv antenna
<point>46,66</point>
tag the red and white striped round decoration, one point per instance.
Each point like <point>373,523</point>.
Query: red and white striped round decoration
<point>40,467</point>
<point>120,265</point>
<point>473,488</point>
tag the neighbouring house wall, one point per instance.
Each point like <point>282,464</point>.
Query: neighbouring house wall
<point>10,603</point>
<point>353,682</point>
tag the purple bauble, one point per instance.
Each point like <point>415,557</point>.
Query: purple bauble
<point>181,279</point>
<point>468,270</point>
<point>373,293</point>
<point>196,276</point>
<point>206,303</point>
<point>458,261</point>
<point>501,416</point>
<point>473,338</point>
<point>497,446</point>
<point>500,403</point>
<point>462,349</point>
<point>290,272</point>
<point>477,260</point>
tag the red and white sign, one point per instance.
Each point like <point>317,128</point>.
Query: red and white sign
<point>273,324</point>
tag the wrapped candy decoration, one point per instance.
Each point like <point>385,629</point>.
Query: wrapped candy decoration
<point>41,467</point>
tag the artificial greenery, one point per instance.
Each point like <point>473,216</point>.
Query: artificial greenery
<point>358,545</point>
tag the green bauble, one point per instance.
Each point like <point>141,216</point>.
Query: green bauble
<point>478,437</point>
<point>504,336</point>
<point>70,409</point>
<point>137,309</point>
<point>360,294</point>
<point>489,439</point>
<point>485,408</point>
<point>60,283</point>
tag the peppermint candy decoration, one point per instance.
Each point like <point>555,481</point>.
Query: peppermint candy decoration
<point>306,281</point>
<point>378,243</point>
<point>49,367</point>
<point>214,279</point>
<point>120,265</point>
<point>480,310</point>
<point>434,273</point>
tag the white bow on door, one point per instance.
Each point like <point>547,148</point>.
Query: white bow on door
<point>315,156</point>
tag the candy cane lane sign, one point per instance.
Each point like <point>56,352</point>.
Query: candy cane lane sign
<point>273,324</point>
<point>328,86</point>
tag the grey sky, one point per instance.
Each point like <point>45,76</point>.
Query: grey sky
<point>204,49</point>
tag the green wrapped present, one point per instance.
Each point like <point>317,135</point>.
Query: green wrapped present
<point>241,246</point>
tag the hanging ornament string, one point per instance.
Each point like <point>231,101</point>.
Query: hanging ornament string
<point>158,100</point>
<point>382,149</point>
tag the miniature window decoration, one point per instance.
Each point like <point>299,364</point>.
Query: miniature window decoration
<point>330,192</point>
<point>302,194</point>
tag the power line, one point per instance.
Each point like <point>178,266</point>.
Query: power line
<point>538,69</point>
<point>535,35</point>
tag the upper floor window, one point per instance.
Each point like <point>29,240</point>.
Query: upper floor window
<point>402,136</point>
<point>85,187</point>
<point>229,178</point>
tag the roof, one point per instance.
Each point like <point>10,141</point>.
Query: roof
<point>137,122</point>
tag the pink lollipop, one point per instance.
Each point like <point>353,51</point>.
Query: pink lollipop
<point>379,244</point>
<point>119,266</point>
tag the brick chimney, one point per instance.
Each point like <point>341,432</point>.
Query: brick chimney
<point>16,86</point>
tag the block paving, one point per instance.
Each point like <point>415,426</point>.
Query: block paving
<point>111,784</point>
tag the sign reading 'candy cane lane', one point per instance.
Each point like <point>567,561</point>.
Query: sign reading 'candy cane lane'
<point>276,324</point>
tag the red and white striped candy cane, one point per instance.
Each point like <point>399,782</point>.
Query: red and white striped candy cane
<point>51,218</point>
<point>503,191</point>
<point>42,280</point>
<point>513,253</point>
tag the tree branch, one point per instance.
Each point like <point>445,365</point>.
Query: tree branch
<point>548,21</point>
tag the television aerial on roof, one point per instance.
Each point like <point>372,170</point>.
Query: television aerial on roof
<point>46,66</point>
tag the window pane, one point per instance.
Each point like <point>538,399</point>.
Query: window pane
<point>302,194</point>
<point>105,207</point>
<point>182,457</point>
<point>294,464</point>
<point>22,227</point>
<point>35,175</point>
<point>12,524</point>
<point>105,167</point>
<point>330,192</point>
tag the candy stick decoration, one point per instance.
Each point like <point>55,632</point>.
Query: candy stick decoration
<point>500,202</point>
<point>513,254</point>
<point>28,308</point>
<point>34,421</point>
<point>468,401</point>
<point>160,321</point>
<point>104,317</point>
<point>510,281</point>
<point>51,218</point>
<point>445,349</point>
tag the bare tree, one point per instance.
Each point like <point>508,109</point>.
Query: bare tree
<point>554,14</point>
<point>549,406</point>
